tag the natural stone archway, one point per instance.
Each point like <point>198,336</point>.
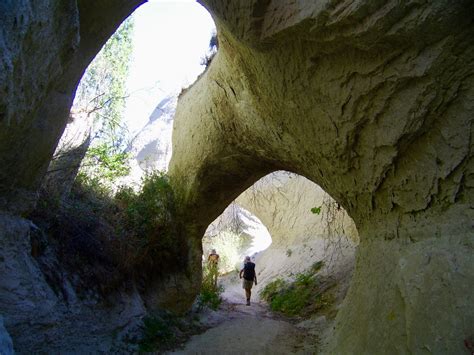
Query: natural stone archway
<point>283,202</point>
<point>45,47</point>
<point>373,101</point>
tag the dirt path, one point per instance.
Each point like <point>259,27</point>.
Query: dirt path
<point>240,329</point>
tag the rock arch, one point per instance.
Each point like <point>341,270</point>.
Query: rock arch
<point>45,48</point>
<point>373,102</point>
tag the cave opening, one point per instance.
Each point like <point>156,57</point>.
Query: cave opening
<point>307,228</point>
<point>120,123</point>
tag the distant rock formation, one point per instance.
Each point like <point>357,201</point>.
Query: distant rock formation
<point>283,202</point>
<point>151,146</point>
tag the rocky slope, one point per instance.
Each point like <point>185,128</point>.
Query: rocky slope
<point>151,147</point>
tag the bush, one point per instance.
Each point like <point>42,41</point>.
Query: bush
<point>157,333</point>
<point>107,240</point>
<point>78,230</point>
<point>305,295</point>
<point>273,288</point>
<point>210,294</point>
<point>152,241</point>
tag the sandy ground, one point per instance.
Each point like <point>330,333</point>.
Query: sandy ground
<point>240,329</point>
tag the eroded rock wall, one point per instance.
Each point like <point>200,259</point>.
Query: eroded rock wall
<point>6,345</point>
<point>42,310</point>
<point>373,101</point>
<point>300,238</point>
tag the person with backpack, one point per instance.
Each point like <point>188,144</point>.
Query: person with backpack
<point>213,264</point>
<point>249,276</point>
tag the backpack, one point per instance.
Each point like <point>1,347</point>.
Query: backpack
<point>249,271</point>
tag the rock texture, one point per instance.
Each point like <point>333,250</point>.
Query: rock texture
<point>283,202</point>
<point>373,101</point>
<point>41,308</point>
<point>151,147</point>
<point>6,345</point>
<point>45,46</point>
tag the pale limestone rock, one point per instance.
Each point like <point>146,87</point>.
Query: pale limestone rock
<point>300,238</point>
<point>373,101</point>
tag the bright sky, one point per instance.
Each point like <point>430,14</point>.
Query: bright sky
<point>170,38</point>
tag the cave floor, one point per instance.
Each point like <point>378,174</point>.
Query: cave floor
<point>238,328</point>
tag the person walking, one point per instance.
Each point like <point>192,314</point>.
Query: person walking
<point>213,263</point>
<point>250,277</point>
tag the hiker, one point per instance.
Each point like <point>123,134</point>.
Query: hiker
<point>249,277</point>
<point>213,264</point>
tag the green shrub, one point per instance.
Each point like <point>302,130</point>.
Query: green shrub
<point>210,294</point>
<point>273,288</point>
<point>157,333</point>
<point>317,266</point>
<point>305,295</point>
<point>106,240</point>
<point>152,240</point>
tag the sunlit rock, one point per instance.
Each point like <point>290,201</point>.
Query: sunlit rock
<point>373,102</point>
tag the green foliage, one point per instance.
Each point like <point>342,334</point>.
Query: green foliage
<point>102,88</point>
<point>316,210</point>
<point>101,95</point>
<point>289,252</point>
<point>302,297</point>
<point>273,288</point>
<point>79,228</point>
<point>317,266</point>
<point>108,240</point>
<point>230,246</point>
<point>210,294</point>
<point>148,215</point>
<point>105,164</point>
<point>157,332</point>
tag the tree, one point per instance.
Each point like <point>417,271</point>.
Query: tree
<point>95,139</point>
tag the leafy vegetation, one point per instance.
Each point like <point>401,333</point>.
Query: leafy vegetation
<point>108,240</point>
<point>164,331</point>
<point>316,210</point>
<point>212,51</point>
<point>101,96</point>
<point>304,296</point>
<point>210,294</point>
<point>157,333</point>
<point>151,235</point>
<point>107,165</point>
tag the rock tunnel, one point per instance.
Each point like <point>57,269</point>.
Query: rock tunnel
<point>371,100</point>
